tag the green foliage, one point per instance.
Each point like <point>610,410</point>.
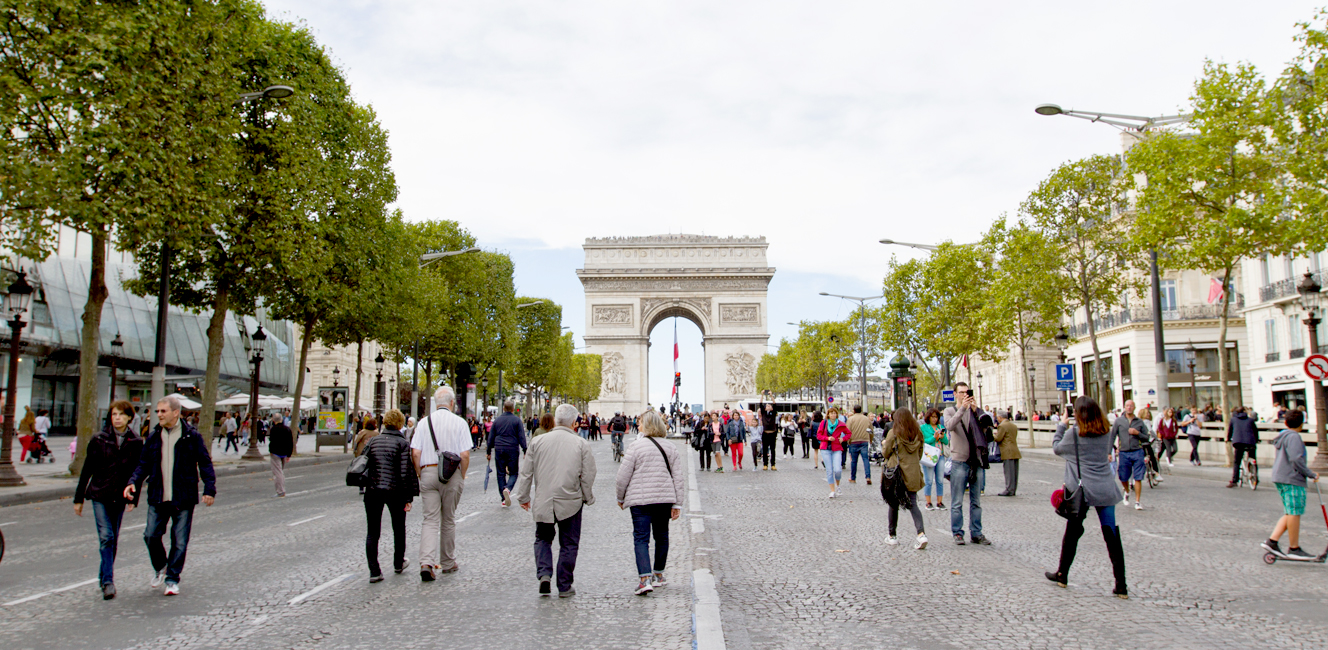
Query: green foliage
<point>538,332</point>
<point>1025,301</point>
<point>1300,128</point>
<point>823,353</point>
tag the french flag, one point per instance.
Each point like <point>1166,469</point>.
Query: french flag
<point>675,355</point>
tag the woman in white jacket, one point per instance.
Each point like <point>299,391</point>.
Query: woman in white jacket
<point>650,483</point>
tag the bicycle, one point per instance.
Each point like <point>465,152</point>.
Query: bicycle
<point>1249,473</point>
<point>617,447</point>
<point>1152,466</point>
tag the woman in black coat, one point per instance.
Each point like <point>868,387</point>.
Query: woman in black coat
<point>390,481</point>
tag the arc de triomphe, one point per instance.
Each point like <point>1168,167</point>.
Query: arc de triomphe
<point>633,283</point>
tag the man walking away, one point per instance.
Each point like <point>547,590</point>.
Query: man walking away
<point>174,458</point>
<point>279,450</point>
<point>508,437</point>
<point>968,460</point>
<point>769,433</point>
<point>1244,436</point>
<point>437,434</point>
<point>859,444</point>
<point>1007,435</point>
<point>557,480</point>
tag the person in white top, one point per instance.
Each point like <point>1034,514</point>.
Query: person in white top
<point>442,431</point>
<point>42,425</point>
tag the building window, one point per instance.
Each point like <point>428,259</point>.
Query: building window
<point>1290,267</point>
<point>1168,295</point>
<point>1263,270</point>
<point>1270,335</point>
<point>1296,339</point>
<point>1125,365</point>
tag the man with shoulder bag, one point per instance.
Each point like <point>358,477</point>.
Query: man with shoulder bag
<point>440,451</point>
<point>968,456</point>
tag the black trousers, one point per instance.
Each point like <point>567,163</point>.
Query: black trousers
<point>374,501</point>
<point>569,542</point>
<point>1194,448</point>
<point>1241,450</point>
<point>706,456</point>
<point>806,447</point>
<point>788,446</point>
<point>768,454</point>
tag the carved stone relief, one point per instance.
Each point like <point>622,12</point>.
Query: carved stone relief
<point>701,305</point>
<point>614,376</point>
<point>612,315</point>
<point>697,285</point>
<point>740,314</point>
<point>741,376</point>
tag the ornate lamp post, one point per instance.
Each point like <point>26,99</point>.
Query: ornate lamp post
<point>117,352</point>
<point>378,384</point>
<point>485,407</point>
<point>979,388</point>
<point>336,376</point>
<point>1063,342</point>
<point>259,339</point>
<point>1190,353</point>
<point>1032,389</point>
<point>15,305</point>
<point>1311,298</point>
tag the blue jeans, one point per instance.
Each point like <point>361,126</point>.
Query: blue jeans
<point>181,521</point>
<point>934,479</point>
<point>833,465</point>
<point>963,477</point>
<point>506,462</point>
<point>584,433</point>
<point>856,449</point>
<point>645,520</point>
<point>108,516</point>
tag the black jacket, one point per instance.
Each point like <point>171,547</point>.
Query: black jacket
<point>107,467</point>
<point>618,424</point>
<point>192,460</point>
<point>282,441</point>
<point>1243,430</point>
<point>507,433</point>
<point>390,469</point>
<point>769,421</point>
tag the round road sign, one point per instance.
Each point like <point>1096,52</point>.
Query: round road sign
<point>1316,366</point>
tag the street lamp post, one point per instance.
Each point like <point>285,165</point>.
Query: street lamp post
<point>1032,390</point>
<point>259,339</point>
<point>336,376</point>
<point>1138,124</point>
<point>378,385</point>
<point>979,388</point>
<point>1190,353</point>
<point>1062,343</point>
<point>117,351</point>
<point>15,305</point>
<point>862,340</point>
<point>484,408</point>
<point>1312,300</point>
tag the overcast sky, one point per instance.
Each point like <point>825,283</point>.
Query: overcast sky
<point>824,126</point>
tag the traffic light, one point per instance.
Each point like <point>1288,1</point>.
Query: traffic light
<point>677,379</point>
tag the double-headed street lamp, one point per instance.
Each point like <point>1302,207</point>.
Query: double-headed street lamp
<point>1312,300</point>
<point>1137,124</point>
<point>259,340</point>
<point>16,304</point>
<point>862,339</point>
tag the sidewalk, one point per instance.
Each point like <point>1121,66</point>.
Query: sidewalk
<point>1209,471</point>
<point>51,481</point>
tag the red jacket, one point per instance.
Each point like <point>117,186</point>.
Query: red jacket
<point>837,439</point>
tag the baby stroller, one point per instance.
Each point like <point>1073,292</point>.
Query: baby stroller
<point>35,449</point>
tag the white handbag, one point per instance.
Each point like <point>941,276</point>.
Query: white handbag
<point>930,455</point>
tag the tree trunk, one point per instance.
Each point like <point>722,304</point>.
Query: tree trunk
<point>359,372</point>
<point>88,424</point>
<point>1099,376</point>
<point>1028,382</point>
<point>1222,361</point>
<point>307,337</point>
<point>216,333</point>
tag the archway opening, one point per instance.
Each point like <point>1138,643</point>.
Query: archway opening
<point>691,362</point>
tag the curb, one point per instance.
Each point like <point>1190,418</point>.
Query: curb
<point>37,495</point>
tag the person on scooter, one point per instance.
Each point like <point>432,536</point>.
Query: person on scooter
<point>1289,474</point>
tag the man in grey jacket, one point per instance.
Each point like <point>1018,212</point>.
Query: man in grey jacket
<point>560,471</point>
<point>968,469</point>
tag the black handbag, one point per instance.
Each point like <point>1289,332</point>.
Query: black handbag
<point>1073,505</point>
<point>448,461</point>
<point>892,481</point>
<point>358,472</point>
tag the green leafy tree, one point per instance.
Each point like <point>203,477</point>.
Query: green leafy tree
<point>1077,209</point>
<point>1214,196</point>
<point>538,329</point>
<point>824,353</point>
<point>1299,102</point>
<point>115,123</point>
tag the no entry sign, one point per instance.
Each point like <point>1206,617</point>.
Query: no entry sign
<point>1316,366</point>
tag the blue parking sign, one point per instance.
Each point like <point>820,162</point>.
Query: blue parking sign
<point>1065,376</point>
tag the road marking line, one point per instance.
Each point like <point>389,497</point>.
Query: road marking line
<point>305,521</point>
<point>297,476</point>
<point>1155,535</point>
<point>709,624</point>
<point>74,586</point>
<point>693,491</point>
<point>9,523</point>
<point>326,585</point>
<point>47,593</point>
<point>467,517</point>
<point>329,487</point>
<point>134,527</point>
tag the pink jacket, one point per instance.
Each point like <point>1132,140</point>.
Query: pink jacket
<point>838,438</point>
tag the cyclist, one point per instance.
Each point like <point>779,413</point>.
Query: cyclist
<point>617,427</point>
<point>1243,433</point>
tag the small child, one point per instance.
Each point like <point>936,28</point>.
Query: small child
<point>1289,474</point>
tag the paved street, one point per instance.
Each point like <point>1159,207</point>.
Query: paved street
<point>793,570</point>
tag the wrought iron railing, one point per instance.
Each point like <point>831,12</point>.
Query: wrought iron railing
<point>1145,315</point>
<point>1298,353</point>
<point>1272,356</point>
<point>1287,287</point>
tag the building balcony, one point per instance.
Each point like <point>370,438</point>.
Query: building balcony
<point>1272,357</point>
<point>1145,315</point>
<point>1287,287</point>
<point>1298,353</point>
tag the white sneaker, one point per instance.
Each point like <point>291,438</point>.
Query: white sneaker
<point>832,494</point>
<point>892,540</point>
<point>658,580</point>
<point>1138,506</point>
<point>158,579</point>
<point>1126,501</point>
<point>507,497</point>
<point>922,542</point>
<point>172,589</point>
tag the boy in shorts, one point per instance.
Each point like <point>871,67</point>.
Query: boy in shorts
<point>1289,474</point>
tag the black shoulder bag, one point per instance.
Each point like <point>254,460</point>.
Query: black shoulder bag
<point>1073,504</point>
<point>448,462</point>
<point>661,453</point>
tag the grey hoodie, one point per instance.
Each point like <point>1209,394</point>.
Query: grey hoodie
<point>1289,462</point>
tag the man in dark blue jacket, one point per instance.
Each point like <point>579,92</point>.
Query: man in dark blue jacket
<point>1243,432</point>
<point>174,457</point>
<point>508,436</point>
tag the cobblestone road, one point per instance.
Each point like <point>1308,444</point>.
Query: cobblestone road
<point>793,570</point>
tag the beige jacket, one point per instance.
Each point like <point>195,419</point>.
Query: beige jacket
<point>560,469</point>
<point>861,428</point>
